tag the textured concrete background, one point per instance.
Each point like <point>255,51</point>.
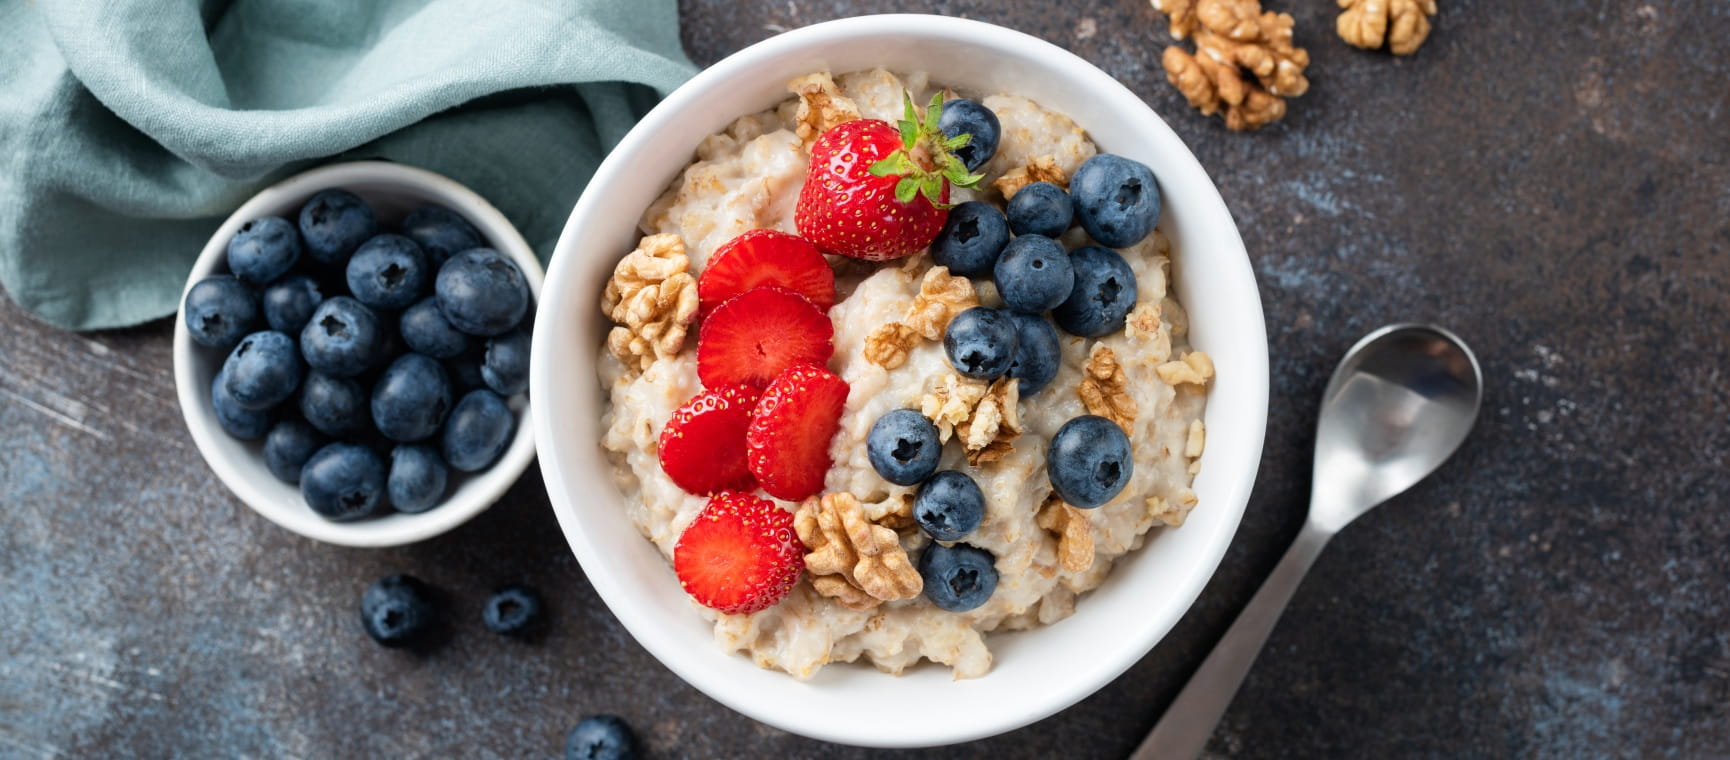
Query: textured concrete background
<point>1549,178</point>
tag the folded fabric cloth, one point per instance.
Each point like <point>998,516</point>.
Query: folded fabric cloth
<point>129,129</point>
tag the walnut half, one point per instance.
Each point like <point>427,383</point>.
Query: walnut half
<point>652,298</point>
<point>1104,389</point>
<point>853,560</point>
<point>941,297</point>
<point>985,417</point>
<point>1038,169</point>
<point>1402,24</point>
<point>1244,64</point>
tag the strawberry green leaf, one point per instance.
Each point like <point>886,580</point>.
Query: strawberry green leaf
<point>894,163</point>
<point>906,189</point>
<point>958,141</point>
<point>932,112</point>
<point>909,134</point>
<point>931,186</point>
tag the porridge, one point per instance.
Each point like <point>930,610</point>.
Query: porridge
<point>912,356</point>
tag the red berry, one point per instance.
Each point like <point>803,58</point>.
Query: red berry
<point>766,257</point>
<point>845,210</point>
<point>788,440</point>
<point>755,335</point>
<point>740,555</point>
<point>703,446</point>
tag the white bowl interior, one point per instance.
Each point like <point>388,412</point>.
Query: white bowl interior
<point>1036,673</point>
<point>393,190</point>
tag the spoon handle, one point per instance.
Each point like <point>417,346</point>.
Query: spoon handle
<point>1183,733</point>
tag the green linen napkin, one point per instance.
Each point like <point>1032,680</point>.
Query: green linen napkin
<point>129,129</point>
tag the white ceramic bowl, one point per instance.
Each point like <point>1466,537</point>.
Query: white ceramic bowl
<point>393,190</point>
<point>1036,673</point>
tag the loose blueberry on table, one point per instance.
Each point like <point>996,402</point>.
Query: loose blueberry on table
<point>513,611</point>
<point>371,363</point>
<point>601,737</point>
<point>397,610</point>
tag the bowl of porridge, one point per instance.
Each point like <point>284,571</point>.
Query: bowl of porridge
<point>882,632</point>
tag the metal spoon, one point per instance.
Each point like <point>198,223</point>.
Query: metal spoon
<point>1398,405</point>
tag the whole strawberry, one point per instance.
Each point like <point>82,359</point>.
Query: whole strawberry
<point>876,192</point>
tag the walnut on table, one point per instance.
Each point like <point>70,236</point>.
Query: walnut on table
<point>852,560</point>
<point>941,297</point>
<point>1104,389</point>
<point>1038,169</point>
<point>653,299</point>
<point>986,417</point>
<point>1074,534</point>
<point>1402,24</point>
<point>1245,63</point>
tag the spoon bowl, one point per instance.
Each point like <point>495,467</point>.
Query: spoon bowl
<point>1399,404</point>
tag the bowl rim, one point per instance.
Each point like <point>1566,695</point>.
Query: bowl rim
<point>397,528</point>
<point>616,592</point>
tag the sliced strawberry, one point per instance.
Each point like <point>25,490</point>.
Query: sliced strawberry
<point>766,257</point>
<point>703,446</point>
<point>788,440</point>
<point>740,555</point>
<point>755,335</point>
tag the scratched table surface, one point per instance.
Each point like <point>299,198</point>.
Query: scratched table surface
<point>1550,179</point>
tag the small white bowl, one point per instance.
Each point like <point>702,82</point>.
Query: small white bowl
<point>393,190</point>
<point>1038,672</point>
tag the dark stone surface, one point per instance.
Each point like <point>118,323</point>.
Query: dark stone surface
<point>1550,179</point>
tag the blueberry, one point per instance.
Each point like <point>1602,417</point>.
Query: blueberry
<point>1103,295</point>
<point>1037,353</point>
<point>479,430</point>
<point>971,239</point>
<point>903,447</point>
<point>1116,199</point>
<point>600,737</point>
<point>343,481</point>
<point>264,370</point>
<point>411,398</point>
<point>236,420</point>
<point>1089,461</point>
<point>980,342</point>
<point>513,611</point>
<point>397,610</point>
<point>263,250</point>
<point>220,311</point>
<point>949,506</point>
<point>289,304</point>
<point>343,338</point>
<point>335,406</point>
<point>482,292</point>
<point>1034,275</point>
<point>287,447</point>
<point>388,272</point>
<point>1040,209</point>
<point>417,478</point>
<point>441,233</point>
<point>958,578</point>
<point>506,366</point>
<point>333,223</point>
<point>967,117</point>
<point>425,330</point>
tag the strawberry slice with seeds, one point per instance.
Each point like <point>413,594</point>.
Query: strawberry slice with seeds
<point>740,555</point>
<point>766,257</point>
<point>788,440</point>
<point>757,334</point>
<point>702,447</point>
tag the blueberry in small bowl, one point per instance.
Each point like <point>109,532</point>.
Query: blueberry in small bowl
<point>299,441</point>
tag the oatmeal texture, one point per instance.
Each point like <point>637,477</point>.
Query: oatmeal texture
<point>860,604</point>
